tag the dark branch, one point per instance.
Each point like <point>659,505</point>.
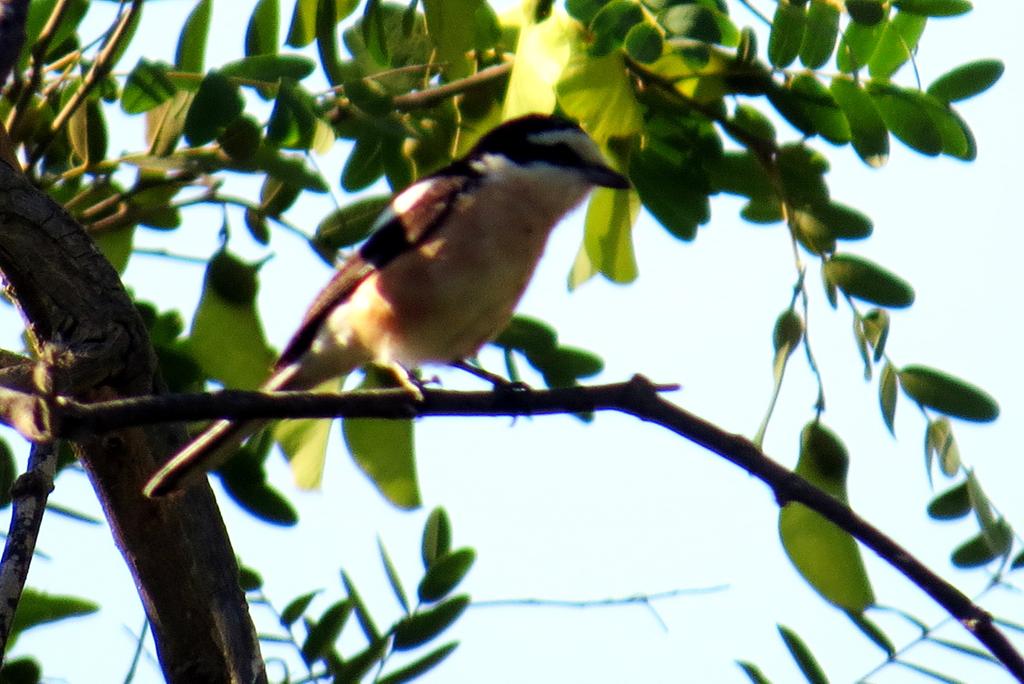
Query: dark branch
<point>638,398</point>
<point>28,494</point>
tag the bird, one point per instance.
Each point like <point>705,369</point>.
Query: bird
<point>439,276</point>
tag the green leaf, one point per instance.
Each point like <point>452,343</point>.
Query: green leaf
<point>934,8</point>
<point>248,578</point>
<point>324,632</point>
<point>217,103</point>
<point>452,31</point>
<point>146,87</point>
<point>350,224</point>
<point>444,574</point>
<point>608,238</point>
<point>383,450</point>
<point>867,128</point>
<point>740,173</point>
<point>701,22</point>
<point>952,504</point>
<point>419,628</point>
<point>39,608</point>
<point>820,107</point>
<point>612,23</point>
<point>896,45</point>
<point>584,11</point>
<point>293,121</point>
<point>393,579</point>
<point>887,386</point>
<point>753,672</point>
<point>227,337</point>
<point>826,556</point>
<point>241,140</point>
<point>669,193</point>
<point>905,113</point>
<point>644,43</point>
<point>261,33</point>
<point>939,441</point>
<point>296,608</point>
<point>598,92</point>
<point>116,246</point>
<point>39,13</point>
<point>191,52</point>
<point>820,33</point>
<point>420,666</point>
<point>363,617</point>
<point>859,41</point>
<point>437,537</point>
<point>948,394</point>
<point>866,12</point>
<point>21,671</point>
<point>805,660</point>
<point>876,331</point>
<point>867,281</point>
<point>302,29</point>
<point>269,68</point>
<point>304,443</point>
<point>87,133</point>
<point>364,164</point>
<point>245,480</point>
<point>873,631</point>
<point>967,80</point>
<point>979,550</point>
<point>287,168</point>
<point>787,33</point>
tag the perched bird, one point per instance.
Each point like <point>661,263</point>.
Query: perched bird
<point>440,275</point>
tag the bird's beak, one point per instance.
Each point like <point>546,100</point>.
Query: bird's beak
<point>598,174</point>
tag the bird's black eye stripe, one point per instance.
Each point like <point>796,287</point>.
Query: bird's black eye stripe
<point>560,154</point>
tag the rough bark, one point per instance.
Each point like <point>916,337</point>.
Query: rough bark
<point>178,551</point>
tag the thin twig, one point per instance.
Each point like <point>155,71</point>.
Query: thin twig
<point>29,494</point>
<point>100,68</point>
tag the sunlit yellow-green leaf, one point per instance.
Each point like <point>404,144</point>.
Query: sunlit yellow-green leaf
<point>805,660</point>
<point>826,556</point>
<point>383,449</point>
<point>887,386</point>
<point>598,92</point>
<point>304,442</point>
<point>948,394</point>
<point>542,53</point>
<point>608,240</point>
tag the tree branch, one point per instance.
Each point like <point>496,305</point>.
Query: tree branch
<point>28,494</point>
<point>78,314</point>
<point>638,397</point>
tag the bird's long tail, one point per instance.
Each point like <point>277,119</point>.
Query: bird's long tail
<point>213,446</point>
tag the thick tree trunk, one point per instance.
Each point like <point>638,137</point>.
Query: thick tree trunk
<point>177,549</point>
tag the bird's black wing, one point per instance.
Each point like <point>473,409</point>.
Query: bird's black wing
<point>396,233</point>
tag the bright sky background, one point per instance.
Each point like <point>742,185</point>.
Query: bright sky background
<point>561,510</point>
